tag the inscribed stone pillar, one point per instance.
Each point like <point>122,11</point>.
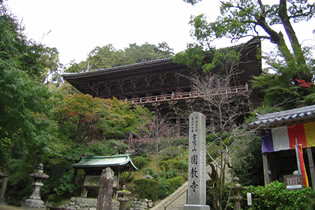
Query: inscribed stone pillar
<point>104,199</point>
<point>197,163</point>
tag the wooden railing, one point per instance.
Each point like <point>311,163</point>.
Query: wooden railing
<point>187,95</point>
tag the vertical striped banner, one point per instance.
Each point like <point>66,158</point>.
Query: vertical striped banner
<point>283,138</point>
<point>300,163</point>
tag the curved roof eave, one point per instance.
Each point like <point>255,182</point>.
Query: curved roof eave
<point>117,68</point>
<point>104,161</point>
<point>292,116</point>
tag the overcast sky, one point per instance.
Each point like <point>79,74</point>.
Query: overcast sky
<point>76,27</point>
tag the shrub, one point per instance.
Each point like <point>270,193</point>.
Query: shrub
<point>140,161</point>
<point>275,196</point>
<point>147,188</point>
<point>183,164</point>
<point>174,163</point>
<point>169,186</point>
<point>169,173</point>
<point>164,190</point>
<point>171,151</point>
<point>126,176</point>
<point>170,163</point>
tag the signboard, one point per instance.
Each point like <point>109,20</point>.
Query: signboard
<point>293,182</point>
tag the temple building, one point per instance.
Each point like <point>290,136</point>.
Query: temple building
<point>163,86</point>
<point>281,133</point>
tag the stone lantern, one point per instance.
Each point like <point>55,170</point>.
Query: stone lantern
<point>35,201</point>
<point>122,197</point>
<point>3,181</point>
<point>236,191</point>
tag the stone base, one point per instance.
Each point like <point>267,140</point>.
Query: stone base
<point>196,207</point>
<point>32,203</point>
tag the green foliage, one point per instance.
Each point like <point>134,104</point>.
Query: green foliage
<point>158,146</point>
<point>147,52</point>
<point>223,60</point>
<point>83,118</point>
<point>39,123</point>
<point>168,186</point>
<point>126,177</point>
<point>275,196</point>
<point>164,190</point>
<point>108,147</point>
<point>140,161</point>
<point>248,168</point>
<point>282,89</point>
<point>65,184</point>
<point>193,57</point>
<point>108,56</point>
<point>226,193</point>
<point>243,18</point>
<point>147,188</point>
<point>172,163</point>
<point>168,173</point>
<point>152,172</point>
<point>171,151</point>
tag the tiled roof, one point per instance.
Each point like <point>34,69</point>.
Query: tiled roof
<point>285,117</point>
<point>104,161</point>
<point>68,75</point>
<point>115,68</point>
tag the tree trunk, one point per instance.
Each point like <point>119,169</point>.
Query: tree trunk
<point>296,47</point>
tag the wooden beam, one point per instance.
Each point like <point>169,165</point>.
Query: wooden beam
<point>311,166</point>
<point>266,169</point>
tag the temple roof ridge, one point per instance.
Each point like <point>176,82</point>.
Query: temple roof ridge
<point>284,117</point>
<point>142,64</point>
<point>122,67</point>
<point>104,161</point>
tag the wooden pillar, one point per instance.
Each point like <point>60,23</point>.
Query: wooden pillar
<point>104,199</point>
<point>267,179</point>
<point>311,165</point>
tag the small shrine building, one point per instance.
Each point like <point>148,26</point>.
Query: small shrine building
<point>279,133</point>
<point>93,166</point>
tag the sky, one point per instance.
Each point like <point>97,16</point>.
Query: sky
<point>76,27</point>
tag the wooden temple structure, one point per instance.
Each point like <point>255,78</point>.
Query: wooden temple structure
<point>280,131</point>
<point>163,86</point>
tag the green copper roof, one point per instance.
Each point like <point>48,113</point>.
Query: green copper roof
<point>105,161</point>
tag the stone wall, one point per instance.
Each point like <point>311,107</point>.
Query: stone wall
<point>78,203</point>
<point>142,204</point>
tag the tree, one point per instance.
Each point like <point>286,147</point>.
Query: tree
<point>147,52</point>
<point>108,56</point>
<point>246,18</point>
<point>87,120</point>
<point>25,104</point>
<point>253,18</point>
<point>24,101</point>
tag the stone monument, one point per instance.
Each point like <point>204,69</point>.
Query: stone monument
<point>197,163</point>
<point>35,201</point>
<point>104,199</point>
